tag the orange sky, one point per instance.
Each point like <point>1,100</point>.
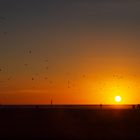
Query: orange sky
<point>94,75</point>
<point>86,55</point>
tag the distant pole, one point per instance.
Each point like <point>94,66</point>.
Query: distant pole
<point>51,102</point>
<point>101,106</point>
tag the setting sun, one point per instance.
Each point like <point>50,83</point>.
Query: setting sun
<point>118,99</point>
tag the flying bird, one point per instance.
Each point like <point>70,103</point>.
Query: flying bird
<point>26,65</point>
<point>68,84</point>
<point>5,33</point>
<point>46,59</point>
<point>30,51</point>
<point>10,78</point>
<point>84,75</point>
<point>2,19</point>
<point>36,74</point>
<point>46,78</point>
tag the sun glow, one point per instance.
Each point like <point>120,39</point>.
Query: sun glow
<point>118,99</point>
<point>118,91</point>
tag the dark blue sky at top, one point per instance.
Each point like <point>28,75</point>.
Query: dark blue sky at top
<point>77,11</point>
<point>30,20</point>
<point>39,18</point>
<point>67,15</point>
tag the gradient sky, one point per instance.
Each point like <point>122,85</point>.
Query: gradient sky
<point>71,51</point>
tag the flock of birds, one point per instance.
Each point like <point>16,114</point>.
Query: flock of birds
<point>47,67</point>
<point>69,82</point>
<point>3,21</point>
<point>33,77</point>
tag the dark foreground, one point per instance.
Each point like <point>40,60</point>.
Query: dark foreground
<point>69,123</point>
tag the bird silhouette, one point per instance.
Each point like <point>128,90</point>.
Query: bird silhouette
<point>2,20</point>
<point>46,60</point>
<point>26,65</point>
<point>68,84</point>
<point>46,78</point>
<point>84,75</point>
<point>30,51</point>
<point>47,68</point>
<point>5,33</point>
<point>10,78</point>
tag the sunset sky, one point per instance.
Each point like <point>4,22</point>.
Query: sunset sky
<point>70,51</point>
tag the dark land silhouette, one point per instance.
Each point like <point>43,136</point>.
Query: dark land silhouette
<point>69,122</point>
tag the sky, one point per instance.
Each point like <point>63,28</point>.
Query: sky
<point>69,51</point>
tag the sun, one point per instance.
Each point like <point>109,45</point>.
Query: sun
<point>118,99</point>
